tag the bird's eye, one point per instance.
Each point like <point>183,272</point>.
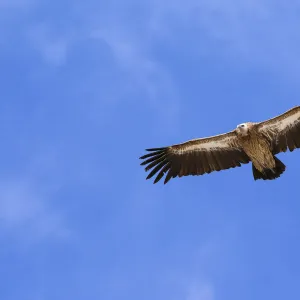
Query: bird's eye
<point>242,125</point>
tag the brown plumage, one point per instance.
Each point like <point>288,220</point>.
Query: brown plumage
<point>249,142</point>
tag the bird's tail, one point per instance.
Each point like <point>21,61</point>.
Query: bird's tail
<point>269,174</point>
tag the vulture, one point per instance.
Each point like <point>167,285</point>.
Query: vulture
<point>256,142</point>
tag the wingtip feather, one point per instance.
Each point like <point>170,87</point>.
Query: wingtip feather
<point>155,149</point>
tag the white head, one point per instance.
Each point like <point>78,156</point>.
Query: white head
<point>243,128</point>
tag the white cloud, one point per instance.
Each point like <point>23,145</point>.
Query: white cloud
<point>9,4</point>
<point>51,46</point>
<point>200,291</point>
<point>139,77</point>
<point>261,32</point>
<point>25,213</point>
<point>131,50</point>
<point>258,32</point>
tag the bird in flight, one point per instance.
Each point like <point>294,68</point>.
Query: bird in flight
<point>250,142</point>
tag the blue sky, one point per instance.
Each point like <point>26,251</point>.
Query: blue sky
<point>86,87</point>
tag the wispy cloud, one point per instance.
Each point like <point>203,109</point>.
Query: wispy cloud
<point>142,72</point>
<point>25,211</point>
<point>256,31</point>
<point>6,4</point>
<point>248,32</point>
<point>200,291</point>
<point>135,71</point>
<point>260,32</point>
<point>50,45</point>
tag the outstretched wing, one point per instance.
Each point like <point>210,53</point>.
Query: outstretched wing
<point>195,157</point>
<point>283,131</point>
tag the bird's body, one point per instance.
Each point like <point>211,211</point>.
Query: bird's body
<point>249,142</point>
<point>257,148</point>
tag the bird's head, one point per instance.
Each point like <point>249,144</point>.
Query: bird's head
<point>243,129</point>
